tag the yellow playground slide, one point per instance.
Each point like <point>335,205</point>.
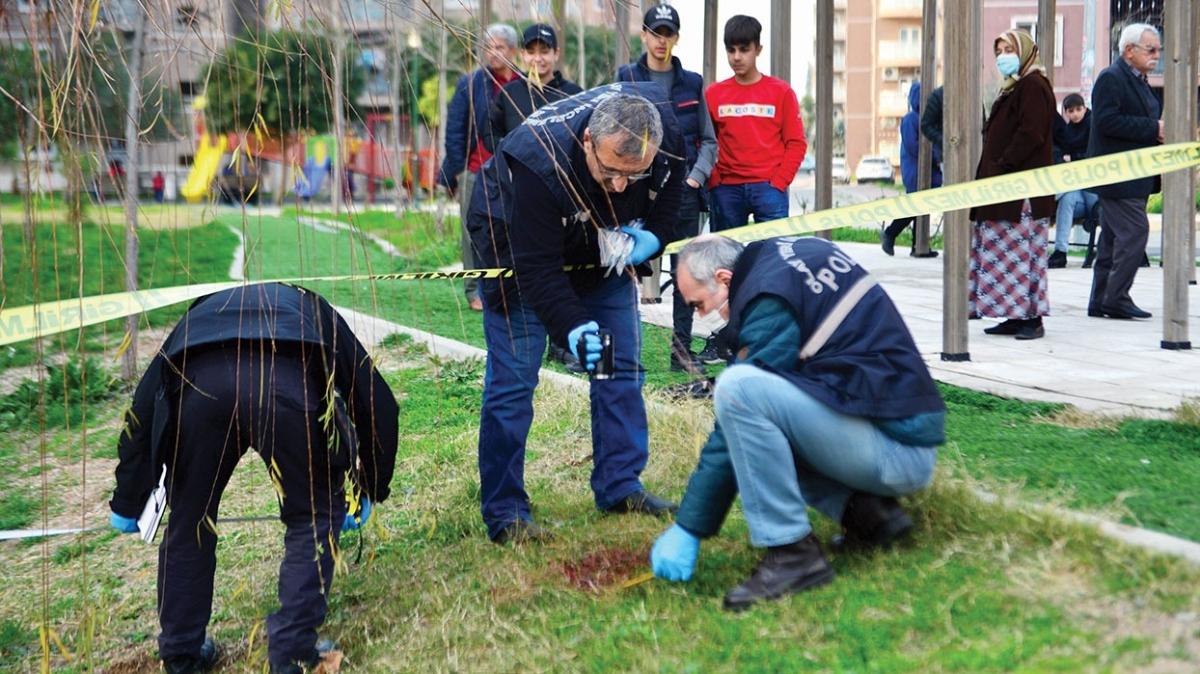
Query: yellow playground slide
<point>204,168</point>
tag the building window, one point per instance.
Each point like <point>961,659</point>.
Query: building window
<point>1029,25</point>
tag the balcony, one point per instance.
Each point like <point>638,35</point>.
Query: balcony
<point>900,9</point>
<point>902,54</point>
<point>839,31</point>
<point>839,95</point>
<point>892,104</point>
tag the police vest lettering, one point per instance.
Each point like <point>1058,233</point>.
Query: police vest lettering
<point>831,275</point>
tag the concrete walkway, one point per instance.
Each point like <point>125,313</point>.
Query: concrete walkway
<point>1101,366</point>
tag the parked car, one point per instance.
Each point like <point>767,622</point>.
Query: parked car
<point>875,168</point>
<point>840,174</point>
<point>809,165</point>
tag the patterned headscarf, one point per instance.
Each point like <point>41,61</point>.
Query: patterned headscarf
<point>1027,52</point>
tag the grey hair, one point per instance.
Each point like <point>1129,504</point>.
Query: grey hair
<point>704,255</point>
<point>1132,34</point>
<point>504,32</point>
<point>633,118</point>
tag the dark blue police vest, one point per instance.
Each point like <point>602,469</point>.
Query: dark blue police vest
<point>545,144</point>
<point>687,93</point>
<point>867,364</point>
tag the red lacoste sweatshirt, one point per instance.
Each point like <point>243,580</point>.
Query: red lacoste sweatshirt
<point>759,133</point>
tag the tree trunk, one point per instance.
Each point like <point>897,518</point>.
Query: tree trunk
<point>339,121</point>
<point>440,141</point>
<point>133,112</point>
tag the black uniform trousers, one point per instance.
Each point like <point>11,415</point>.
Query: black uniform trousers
<point>230,401</point>
<point>681,314</point>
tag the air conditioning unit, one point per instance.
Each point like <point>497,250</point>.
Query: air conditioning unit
<point>891,75</point>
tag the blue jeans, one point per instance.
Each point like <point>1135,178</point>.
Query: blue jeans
<point>516,341</point>
<point>733,204</point>
<point>790,451</point>
<point>1071,205</point>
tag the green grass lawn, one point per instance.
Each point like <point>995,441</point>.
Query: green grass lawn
<point>63,262</point>
<point>980,589</point>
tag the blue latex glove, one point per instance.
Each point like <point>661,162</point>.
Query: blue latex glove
<point>590,331</point>
<point>645,244</point>
<point>125,525</point>
<point>674,554</point>
<point>356,521</point>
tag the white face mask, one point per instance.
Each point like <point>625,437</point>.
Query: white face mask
<point>717,311</point>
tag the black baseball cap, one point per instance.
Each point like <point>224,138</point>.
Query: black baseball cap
<point>540,32</point>
<point>659,16</point>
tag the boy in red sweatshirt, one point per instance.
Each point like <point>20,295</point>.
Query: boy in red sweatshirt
<point>760,138</point>
<point>760,144</point>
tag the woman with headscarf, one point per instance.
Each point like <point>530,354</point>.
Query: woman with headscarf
<point>1008,246</point>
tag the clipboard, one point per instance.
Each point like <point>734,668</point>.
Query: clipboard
<point>153,511</point>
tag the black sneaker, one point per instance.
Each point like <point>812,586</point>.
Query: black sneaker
<point>1058,260</point>
<point>784,570</point>
<point>699,389</point>
<point>523,531</point>
<point>194,664</point>
<point>323,647</point>
<point>887,242</point>
<point>689,363</point>
<point>713,353</point>
<point>643,502</point>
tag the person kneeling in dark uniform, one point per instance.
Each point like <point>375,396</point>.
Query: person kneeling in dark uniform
<point>828,404</point>
<point>257,366</point>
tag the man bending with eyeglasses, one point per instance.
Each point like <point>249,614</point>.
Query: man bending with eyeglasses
<point>591,183</point>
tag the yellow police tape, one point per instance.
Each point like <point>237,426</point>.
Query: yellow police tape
<point>39,320</point>
<point>1076,175</point>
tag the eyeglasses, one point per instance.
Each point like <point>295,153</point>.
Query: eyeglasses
<point>1149,50</point>
<point>612,174</point>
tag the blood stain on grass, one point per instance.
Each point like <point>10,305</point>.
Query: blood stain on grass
<point>604,568</point>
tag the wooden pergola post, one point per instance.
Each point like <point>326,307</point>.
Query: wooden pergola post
<point>1179,207</point>
<point>781,46</point>
<point>710,42</point>
<point>1047,24</point>
<point>920,246</point>
<point>621,46</point>
<point>961,126</point>
<point>823,141</point>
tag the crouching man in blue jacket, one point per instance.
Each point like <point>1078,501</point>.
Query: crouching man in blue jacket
<point>828,404</point>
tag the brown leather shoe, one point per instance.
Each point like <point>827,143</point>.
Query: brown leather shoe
<point>784,570</point>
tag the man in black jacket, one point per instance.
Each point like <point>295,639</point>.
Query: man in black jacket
<point>591,183</point>
<point>541,85</point>
<point>1125,116</point>
<point>272,367</point>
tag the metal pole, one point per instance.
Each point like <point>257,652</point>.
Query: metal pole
<point>1179,207</point>
<point>781,29</point>
<point>710,41</point>
<point>961,123</point>
<point>925,149</point>
<point>823,142</point>
<point>1046,28</point>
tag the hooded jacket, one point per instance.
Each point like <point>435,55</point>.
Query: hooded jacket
<point>910,143</point>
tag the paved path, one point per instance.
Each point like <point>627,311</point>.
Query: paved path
<point>1099,365</point>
